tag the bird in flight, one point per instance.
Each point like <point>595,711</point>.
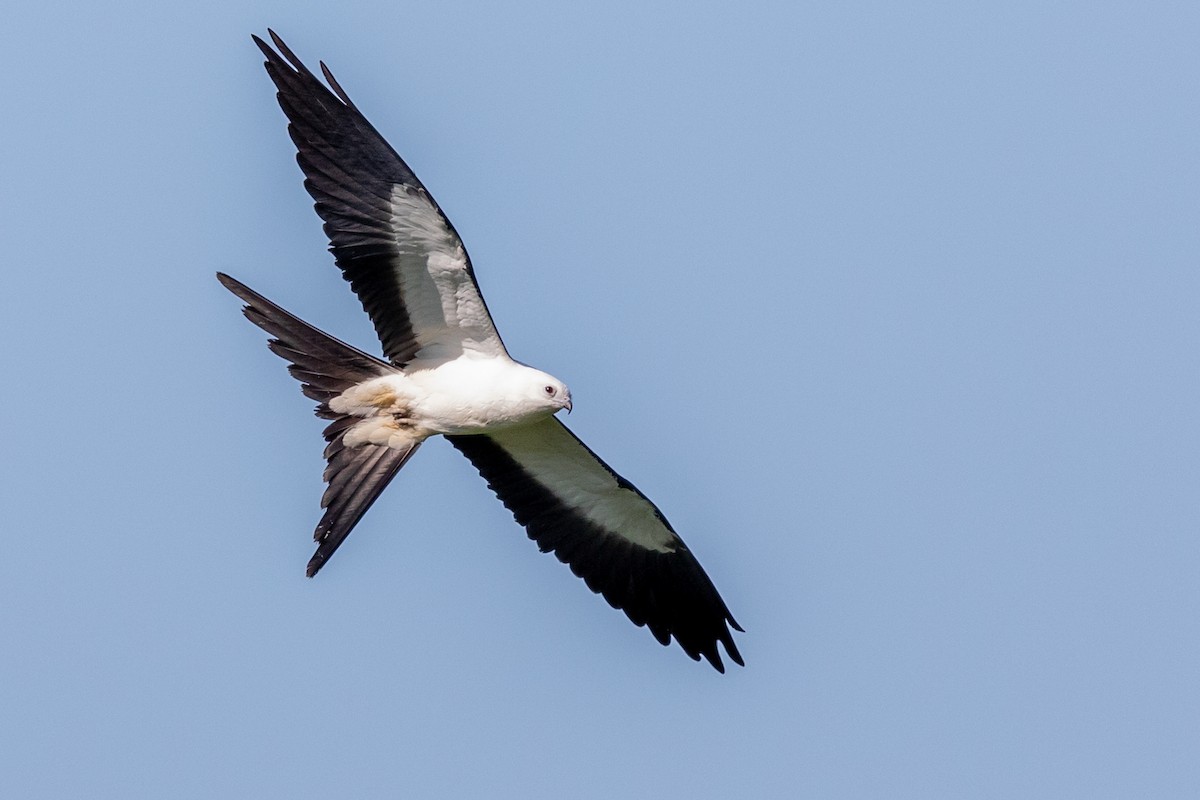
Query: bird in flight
<point>448,373</point>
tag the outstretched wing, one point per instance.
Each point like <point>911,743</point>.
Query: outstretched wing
<point>607,531</point>
<point>392,242</point>
<point>326,367</point>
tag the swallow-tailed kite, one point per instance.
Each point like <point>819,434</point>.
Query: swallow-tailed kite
<point>447,372</point>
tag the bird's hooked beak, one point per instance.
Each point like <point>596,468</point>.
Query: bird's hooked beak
<point>568,405</point>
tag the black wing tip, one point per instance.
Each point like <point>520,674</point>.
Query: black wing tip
<point>725,637</point>
<point>708,651</point>
<point>731,649</point>
<point>697,645</point>
<point>712,653</point>
<point>269,52</point>
<point>282,56</point>
<point>280,49</point>
<point>337,87</point>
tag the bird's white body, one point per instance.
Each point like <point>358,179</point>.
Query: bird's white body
<point>468,394</point>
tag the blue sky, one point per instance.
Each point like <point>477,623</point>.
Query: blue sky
<point>893,310</point>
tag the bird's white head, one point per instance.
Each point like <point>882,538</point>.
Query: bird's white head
<point>551,393</point>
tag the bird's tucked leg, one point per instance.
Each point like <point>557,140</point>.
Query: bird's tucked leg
<point>380,395</point>
<point>385,412</point>
<point>395,432</point>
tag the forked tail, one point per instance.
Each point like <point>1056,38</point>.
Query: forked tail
<point>326,367</point>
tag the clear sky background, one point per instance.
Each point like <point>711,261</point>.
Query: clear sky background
<point>893,308</point>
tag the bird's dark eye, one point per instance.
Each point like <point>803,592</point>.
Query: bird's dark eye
<point>550,390</point>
